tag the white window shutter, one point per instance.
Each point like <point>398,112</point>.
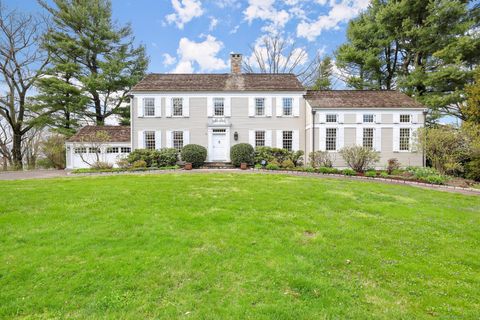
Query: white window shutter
<point>322,117</point>
<point>268,138</point>
<point>168,107</point>
<point>396,118</point>
<point>268,106</point>
<point>377,118</point>
<point>158,107</point>
<point>158,139</point>
<point>340,138</point>
<point>377,136</point>
<point>228,107</point>
<point>141,142</point>
<point>322,134</point>
<point>396,139</point>
<point>251,137</point>
<point>168,136</point>
<point>140,107</point>
<point>359,117</point>
<point>186,137</point>
<point>296,107</point>
<point>251,107</point>
<point>295,140</point>
<point>279,139</point>
<point>359,137</point>
<point>210,107</point>
<point>279,107</point>
<point>186,107</point>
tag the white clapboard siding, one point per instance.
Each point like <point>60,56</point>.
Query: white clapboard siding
<point>251,137</point>
<point>296,107</point>
<point>168,139</point>
<point>140,107</point>
<point>322,132</point>
<point>251,107</point>
<point>279,137</point>
<point>186,107</point>
<point>322,117</point>
<point>340,138</point>
<point>359,117</point>
<point>377,136</point>
<point>210,107</point>
<point>396,139</point>
<point>359,137</point>
<point>158,139</point>
<point>158,107</point>
<point>268,138</point>
<point>279,107</point>
<point>268,107</point>
<point>168,106</point>
<point>295,140</point>
<point>228,107</point>
<point>186,137</point>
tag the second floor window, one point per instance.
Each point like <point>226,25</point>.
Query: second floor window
<point>177,106</point>
<point>259,138</point>
<point>149,137</point>
<point>287,106</point>
<point>331,118</point>
<point>404,118</point>
<point>287,140</point>
<point>259,106</point>
<point>331,139</point>
<point>368,138</point>
<point>404,139</point>
<point>149,107</point>
<point>368,118</point>
<point>177,137</point>
<point>218,107</point>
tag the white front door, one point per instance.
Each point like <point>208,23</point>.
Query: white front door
<point>219,146</point>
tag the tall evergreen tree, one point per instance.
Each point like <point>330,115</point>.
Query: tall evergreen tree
<point>108,62</point>
<point>324,75</point>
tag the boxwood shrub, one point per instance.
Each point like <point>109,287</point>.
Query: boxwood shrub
<point>195,154</point>
<point>154,158</point>
<point>242,153</point>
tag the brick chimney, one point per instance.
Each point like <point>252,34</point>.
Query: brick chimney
<point>236,63</point>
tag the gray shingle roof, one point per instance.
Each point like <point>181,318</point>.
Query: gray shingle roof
<point>115,133</point>
<point>360,99</point>
<point>219,82</point>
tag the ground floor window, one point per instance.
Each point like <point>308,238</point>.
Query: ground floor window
<point>368,138</point>
<point>125,149</point>
<point>287,140</point>
<point>149,139</point>
<point>331,139</point>
<point>404,139</point>
<point>177,137</point>
<point>259,138</point>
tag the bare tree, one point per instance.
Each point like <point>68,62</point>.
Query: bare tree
<point>22,62</point>
<point>5,144</point>
<point>274,54</point>
<point>94,145</point>
<point>31,146</point>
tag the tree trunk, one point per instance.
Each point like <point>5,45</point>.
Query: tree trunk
<point>17,151</point>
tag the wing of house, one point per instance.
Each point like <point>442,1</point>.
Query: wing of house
<point>220,110</point>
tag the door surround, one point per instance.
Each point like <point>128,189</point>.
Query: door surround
<point>210,143</point>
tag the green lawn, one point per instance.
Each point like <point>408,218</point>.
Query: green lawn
<point>235,246</point>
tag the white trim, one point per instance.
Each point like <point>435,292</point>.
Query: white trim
<point>186,107</point>
<point>158,107</point>
<point>141,139</point>
<point>210,143</point>
<point>268,106</point>
<point>227,107</point>
<point>168,139</point>
<point>186,137</point>
<point>279,139</point>
<point>268,138</point>
<point>295,140</point>
<point>251,137</point>
<point>158,139</point>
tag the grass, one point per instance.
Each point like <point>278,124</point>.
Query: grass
<point>231,246</point>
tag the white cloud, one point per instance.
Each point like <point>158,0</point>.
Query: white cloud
<point>202,53</point>
<point>168,60</point>
<point>235,29</point>
<point>213,23</point>
<point>265,10</point>
<point>340,12</point>
<point>185,10</point>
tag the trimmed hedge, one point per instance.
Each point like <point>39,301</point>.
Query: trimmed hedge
<point>154,158</point>
<point>242,153</point>
<point>195,154</point>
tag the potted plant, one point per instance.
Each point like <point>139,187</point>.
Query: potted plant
<point>188,166</point>
<point>243,166</point>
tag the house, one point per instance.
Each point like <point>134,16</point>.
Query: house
<point>220,110</point>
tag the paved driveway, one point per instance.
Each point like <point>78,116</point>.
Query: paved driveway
<point>32,174</point>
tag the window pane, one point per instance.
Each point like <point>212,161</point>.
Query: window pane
<point>331,139</point>
<point>218,106</point>
<point>287,106</point>
<point>93,150</point>
<point>149,107</point>
<point>259,138</point>
<point>177,106</point>
<point>404,139</point>
<point>404,118</point>
<point>259,106</point>
<point>177,140</point>
<point>368,118</point>
<point>80,150</point>
<point>331,118</point>
<point>287,140</point>
<point>125,149</point>
<point>149,140</point>
<point>368,137</point>
<point>112,150</point>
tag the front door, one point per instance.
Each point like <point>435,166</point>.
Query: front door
<point>219,143</point>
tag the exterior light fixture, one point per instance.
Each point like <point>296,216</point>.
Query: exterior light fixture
<point>264,163</point>
<point>235,136</point>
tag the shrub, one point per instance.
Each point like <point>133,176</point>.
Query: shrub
<point>272,166</point>
<point>123,163</point>
<point>349,172</point>
<point>139,164</point>
<point>320,159</point>
<point>435,179</point>
<point>309,169</point>
<point>296,157</point>
<point>269,154</point>
<point>429,175</point>
<point>384,174</point>
<point>327,170</point>
<point>54,150</point>
<point>142,154</point>
<point>242,153</point>
<point>258,166</point>
<point>288,164</point>
<point>392,165</point>
<point>166,157</point>
<point>473,169</point>
<point>194,154</point>
<point>99,165</point>
<point>371,173</point>
<point>359,158</point>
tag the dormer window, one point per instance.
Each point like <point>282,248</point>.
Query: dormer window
<point>331,118</point>
<point>177,104</point>
<point>219,107</point>
<point>259,106</point>
<point>149,107</point>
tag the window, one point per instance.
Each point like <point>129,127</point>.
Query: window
<point>177,137</point>
<point>125,150</point>
<point>405,118</point>
<point>93,150</point>
<point>80,150</point>
<point>149,140</point>
<point>331,118</point>
<point>404,139</point>
<point>112,150</point>
<point>331,139</point>
<point>259,106</point>
<point>287,106</point>
<point>177,105</point>
<point>149,107</point>
<point>287,140</point>
<point>259,138</point>
<point>219,130</point>
<point>218,107</point>
<point>368,138</point>
<point>368,118</point>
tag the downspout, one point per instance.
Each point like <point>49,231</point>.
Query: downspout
<point>313,129</point>
<point>424,160</point>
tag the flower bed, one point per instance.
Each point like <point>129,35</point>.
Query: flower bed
<point>112,170</point>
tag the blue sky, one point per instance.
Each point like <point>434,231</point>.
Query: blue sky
<point>198,35</point>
